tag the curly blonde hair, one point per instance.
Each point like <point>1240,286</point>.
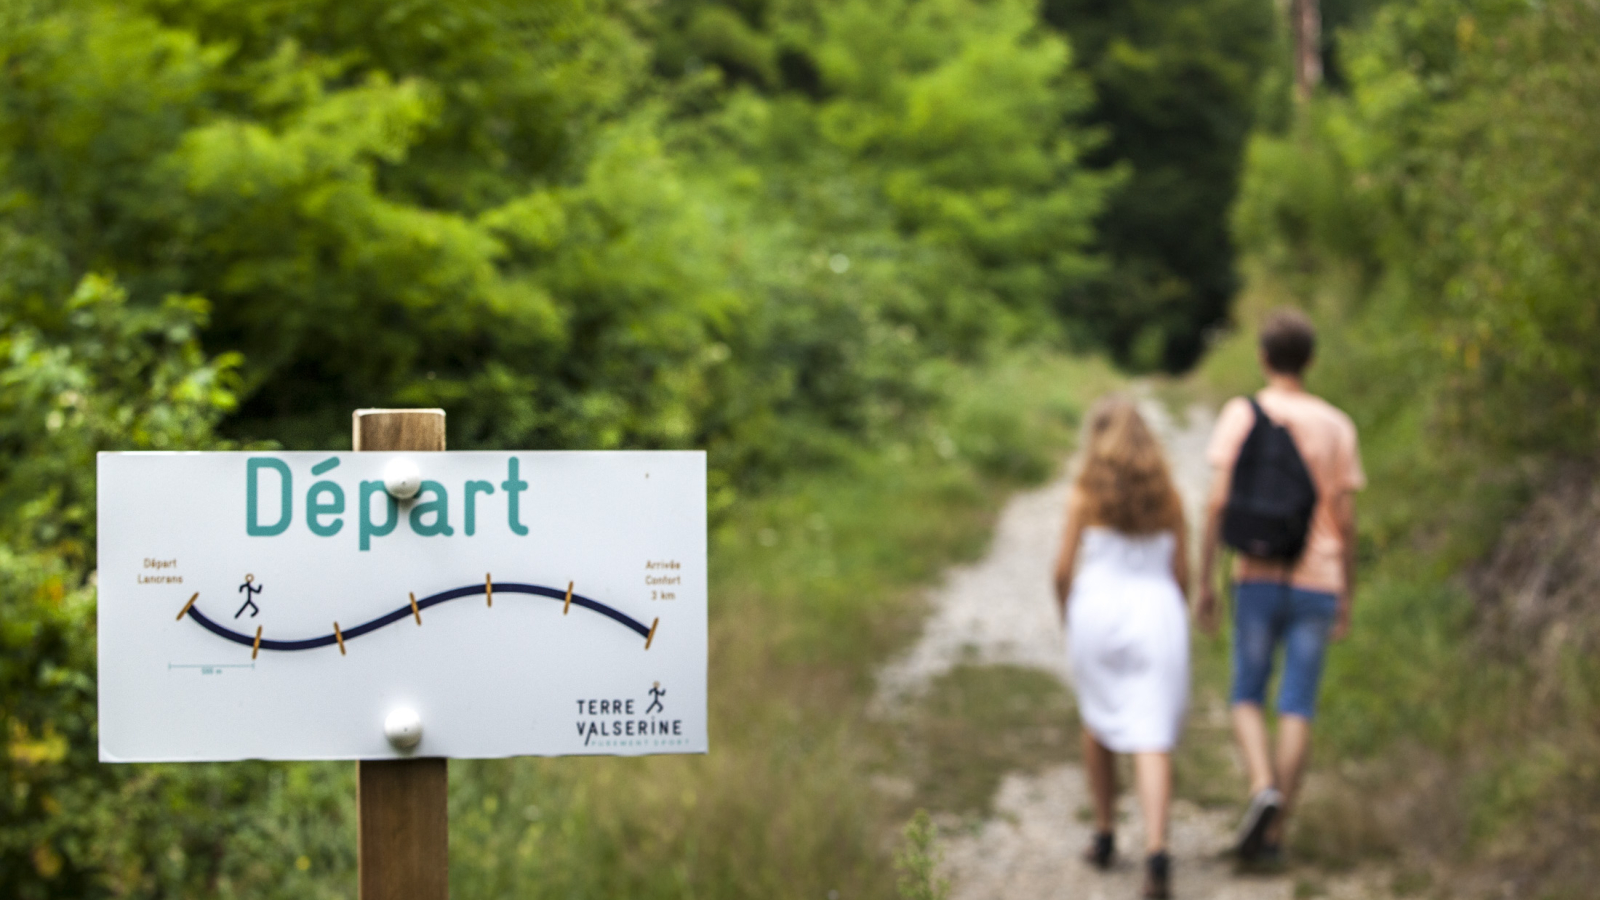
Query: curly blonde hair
<point>1123,481</point>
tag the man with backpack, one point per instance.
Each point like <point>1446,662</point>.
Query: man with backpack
<point>1286,469</point>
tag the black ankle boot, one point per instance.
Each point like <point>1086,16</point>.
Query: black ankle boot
<point>1158,876</point>
<point>1101,850</point>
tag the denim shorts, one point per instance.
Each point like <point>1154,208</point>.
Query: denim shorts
<point>1266,614</point>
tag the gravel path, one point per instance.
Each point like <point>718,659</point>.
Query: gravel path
<point>1000,611</point>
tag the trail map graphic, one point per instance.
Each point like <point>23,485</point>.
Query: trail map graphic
<point>349,634</point>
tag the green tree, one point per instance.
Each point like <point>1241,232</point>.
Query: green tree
<point>495,207</point>
<point>381,203</point>
<point>948,126</point>
<point>1178,88</point>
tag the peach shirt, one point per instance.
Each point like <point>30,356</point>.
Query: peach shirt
<point>1326,439</point>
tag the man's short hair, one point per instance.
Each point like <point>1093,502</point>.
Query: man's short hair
<point>1288,340</point>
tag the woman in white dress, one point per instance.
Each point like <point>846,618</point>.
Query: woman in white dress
<point>1119,584</point>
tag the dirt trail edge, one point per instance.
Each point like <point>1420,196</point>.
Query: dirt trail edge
<point>1000,611</point>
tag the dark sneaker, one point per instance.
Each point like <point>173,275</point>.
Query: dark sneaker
<point>1258,818</point>
<point>1158,876</point>
<point>1101,851</point>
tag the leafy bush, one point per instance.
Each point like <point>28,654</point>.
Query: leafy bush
<point>98,374</point>
<point>919,859</point>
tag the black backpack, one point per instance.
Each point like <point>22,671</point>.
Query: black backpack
<point>1272,496</point>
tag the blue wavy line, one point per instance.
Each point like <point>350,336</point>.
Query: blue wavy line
<point>351,634</point>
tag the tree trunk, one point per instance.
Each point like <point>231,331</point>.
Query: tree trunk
<point>1306,17</point>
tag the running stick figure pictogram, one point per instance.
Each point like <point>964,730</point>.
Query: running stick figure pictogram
<point>251,589</point>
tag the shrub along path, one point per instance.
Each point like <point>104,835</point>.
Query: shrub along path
<point>998,614</point>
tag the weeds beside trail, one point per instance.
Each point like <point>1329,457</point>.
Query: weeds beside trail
<point>918,862</point>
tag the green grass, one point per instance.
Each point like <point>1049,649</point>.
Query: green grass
<point>978,723</point>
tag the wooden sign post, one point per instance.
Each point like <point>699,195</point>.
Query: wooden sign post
<point>403,821</point>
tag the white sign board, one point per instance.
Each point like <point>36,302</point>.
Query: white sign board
<point>282,605</point>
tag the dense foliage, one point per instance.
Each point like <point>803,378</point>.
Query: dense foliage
<point>493,207</point>
<point>1178,89</point>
